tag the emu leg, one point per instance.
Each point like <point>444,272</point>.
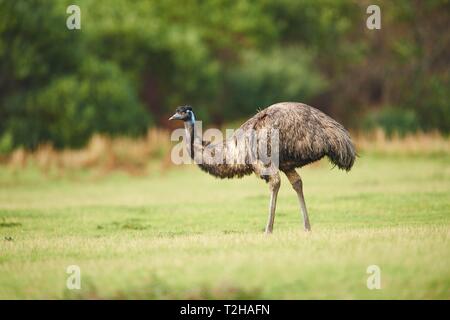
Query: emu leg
<point>274,186</point>
<point>297,184</point>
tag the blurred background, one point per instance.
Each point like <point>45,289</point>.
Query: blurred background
<point>110,87</point>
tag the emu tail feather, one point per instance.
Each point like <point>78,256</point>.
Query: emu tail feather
<point>341,149</point>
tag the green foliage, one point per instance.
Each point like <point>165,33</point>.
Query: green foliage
<point>419,63</point>
<point>57,91</point>
<point>71,108</point>
<point>316,23</point>
<point>35,45</point>
<point>6,143</point>
<point>392,120</point>
<point>280,75</point>
<point>434,107</point>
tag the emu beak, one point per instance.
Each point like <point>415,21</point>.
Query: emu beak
<point>176,116</point>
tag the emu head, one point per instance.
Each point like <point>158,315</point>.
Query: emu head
<point>184,113</point>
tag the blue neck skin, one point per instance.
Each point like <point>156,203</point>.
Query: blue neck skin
<point>192,120</point>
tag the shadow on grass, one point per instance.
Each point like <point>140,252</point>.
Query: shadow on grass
<point>129,224</point>
<point>157,290</point>
<point>9,224</point>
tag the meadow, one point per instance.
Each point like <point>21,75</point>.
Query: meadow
<point>180,233</point>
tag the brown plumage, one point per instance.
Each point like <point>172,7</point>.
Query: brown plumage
<point>305,136</point>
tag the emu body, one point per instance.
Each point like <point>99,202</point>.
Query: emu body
<point>305,136</point>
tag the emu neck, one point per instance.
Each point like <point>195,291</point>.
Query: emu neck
<point>207,163</point>
<point>190,135</point>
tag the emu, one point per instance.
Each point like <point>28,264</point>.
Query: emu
<point>305,135</point>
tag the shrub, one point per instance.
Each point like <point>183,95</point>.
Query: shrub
<point>263,79</point>
<point>392,120</point>
<point>71,108</point>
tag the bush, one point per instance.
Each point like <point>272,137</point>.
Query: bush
<point>392,120</point>
<point>71,108</point>
<point>55,89</point>
<point>434,109</point>
<point>263,79</point>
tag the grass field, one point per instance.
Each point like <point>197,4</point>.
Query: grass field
<point>184,234</point>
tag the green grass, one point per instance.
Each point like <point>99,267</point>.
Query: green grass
<point>185,234</point>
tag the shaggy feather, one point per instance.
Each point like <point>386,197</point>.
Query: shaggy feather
<point>305,136</point>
